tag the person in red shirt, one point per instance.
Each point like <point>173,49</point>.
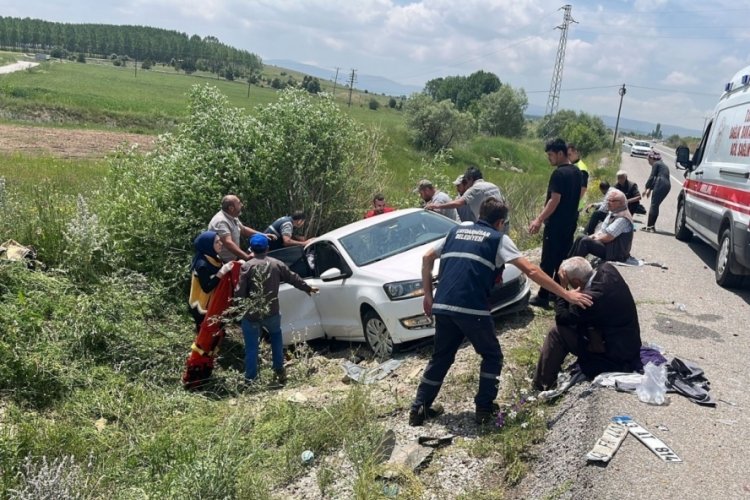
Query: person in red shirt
<point>378,206</point>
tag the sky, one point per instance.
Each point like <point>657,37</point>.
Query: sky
<point>674,57</point>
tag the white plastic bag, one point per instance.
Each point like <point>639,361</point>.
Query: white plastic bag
<point>653,388</point>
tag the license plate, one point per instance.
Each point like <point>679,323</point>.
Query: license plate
<point>606,446</point>
<point>652,442</point>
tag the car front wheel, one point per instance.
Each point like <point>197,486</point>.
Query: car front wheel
<point>377,335</point>
<point>724,259</point>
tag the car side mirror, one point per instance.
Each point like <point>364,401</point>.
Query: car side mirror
<point>332,274</point>
<point>682,161</point>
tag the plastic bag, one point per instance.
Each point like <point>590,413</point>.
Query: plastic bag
<point>653,388</point>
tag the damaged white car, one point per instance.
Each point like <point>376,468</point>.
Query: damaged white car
<point>369,275</point>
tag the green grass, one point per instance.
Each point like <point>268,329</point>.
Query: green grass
<point>7,58</point>
<point>93,372</point>
<point>23,173</point>
<point>102,95</point>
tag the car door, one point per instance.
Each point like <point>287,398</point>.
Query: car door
<point>697,203</point>
<point>337,301</point>
<point>300,320</point>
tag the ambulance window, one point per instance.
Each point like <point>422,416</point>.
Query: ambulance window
<point>698,156</point>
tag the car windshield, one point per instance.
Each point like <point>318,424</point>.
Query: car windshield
<point>395,236</point>
<point>644,144</point>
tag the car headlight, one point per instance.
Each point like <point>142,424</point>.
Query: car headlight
<point>400,290</point>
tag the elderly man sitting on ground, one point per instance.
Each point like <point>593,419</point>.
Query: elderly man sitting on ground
<point>615,237</point>
<point>606,336</point>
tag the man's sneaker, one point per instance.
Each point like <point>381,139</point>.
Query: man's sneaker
<point>281,376</point>
<point>417,417</point>
<point>485,416</point>
<point>538,301</point>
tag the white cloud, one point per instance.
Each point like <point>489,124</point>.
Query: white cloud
<point>679,78</point>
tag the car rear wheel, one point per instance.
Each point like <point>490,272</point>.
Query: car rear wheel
<point>681,232</point>
<point>377,335</point>
<point>724,260</point>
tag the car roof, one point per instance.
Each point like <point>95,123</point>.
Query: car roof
<point>365,223</point>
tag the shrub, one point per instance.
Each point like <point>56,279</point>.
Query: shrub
<point>87,251</point>
<point>300,152</point>
<point>392,103</point>
<point>81,58</point>
<point>147,64</point>
<point>373,104</point>
<point>436,125</point>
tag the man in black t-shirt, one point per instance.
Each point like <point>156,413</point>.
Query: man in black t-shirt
<point>560,214</point>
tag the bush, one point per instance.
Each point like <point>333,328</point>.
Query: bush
<point>587,132</point>
<point>58,53</point>
<point>161,200</point>
<point>501,113</point>
<point>81,58</point>
<point>373,104</point>
<point>147,64</point>
<point>392,103</point>
<point>436,125</point>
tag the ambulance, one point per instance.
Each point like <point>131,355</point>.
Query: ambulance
<point>714,202</point>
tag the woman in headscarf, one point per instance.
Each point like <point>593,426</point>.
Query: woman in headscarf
<point>206,272</point>
<point>657,187</point>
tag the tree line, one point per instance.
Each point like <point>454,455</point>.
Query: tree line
<point>454,108</point>
<point>142,43</point>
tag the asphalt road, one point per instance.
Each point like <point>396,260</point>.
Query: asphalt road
<point>712,331</point>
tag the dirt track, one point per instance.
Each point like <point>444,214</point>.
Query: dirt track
<point>66,143</point>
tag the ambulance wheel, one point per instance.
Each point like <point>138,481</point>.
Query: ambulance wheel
<point>681,232</point>
<point>724,261</point>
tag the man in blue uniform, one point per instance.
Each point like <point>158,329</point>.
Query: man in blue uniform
<point>471,258</point>
<point>282,229</point>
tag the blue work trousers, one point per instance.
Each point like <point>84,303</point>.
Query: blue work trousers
<point>251,331</point>
<point>450,332</point>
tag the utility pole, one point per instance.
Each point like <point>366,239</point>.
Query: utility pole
<point>351,85</point>
<point>622,93</point>
<point>336,80</point>
<point>554,88</point>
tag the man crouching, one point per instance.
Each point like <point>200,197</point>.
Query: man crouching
<point>606,337</point>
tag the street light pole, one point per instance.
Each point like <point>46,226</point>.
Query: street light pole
<point>622,92</point>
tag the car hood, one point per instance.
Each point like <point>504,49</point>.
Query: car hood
<point>408,266</point>
<point>403,266</point>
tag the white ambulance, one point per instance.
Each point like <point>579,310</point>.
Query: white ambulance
<point>714,203</point>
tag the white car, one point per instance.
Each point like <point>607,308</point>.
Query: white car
<point>640,148</point>
<point>369,275</point>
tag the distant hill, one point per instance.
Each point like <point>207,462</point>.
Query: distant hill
<point>628,125</point>
<point>373,84</point>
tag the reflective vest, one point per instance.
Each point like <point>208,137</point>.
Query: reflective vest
<point>467,270</point>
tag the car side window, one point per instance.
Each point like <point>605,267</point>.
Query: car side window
<point>324,257</point>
